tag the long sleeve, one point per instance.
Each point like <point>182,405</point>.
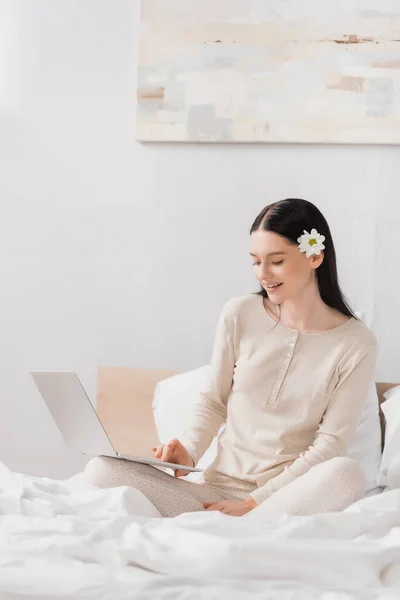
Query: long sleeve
<point>338,423</point>
<point>211,409</point>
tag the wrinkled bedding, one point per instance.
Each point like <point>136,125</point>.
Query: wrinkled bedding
<point>66,539</point>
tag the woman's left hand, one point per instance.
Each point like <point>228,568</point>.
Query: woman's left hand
<point>234,508</point>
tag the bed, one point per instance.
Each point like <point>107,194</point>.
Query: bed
<point>64,539</point>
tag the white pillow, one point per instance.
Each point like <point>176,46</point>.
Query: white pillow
<point>366,447</point>
<point>175,398</point>
<point>173,403</point>
<point>389,474</point>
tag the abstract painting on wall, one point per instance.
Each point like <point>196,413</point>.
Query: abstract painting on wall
<point>307,71</point>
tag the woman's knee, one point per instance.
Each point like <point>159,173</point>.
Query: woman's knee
<point>103,472</point>
<point>346,475</point>
<point>344,465</point>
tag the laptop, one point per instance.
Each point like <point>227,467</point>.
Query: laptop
<point>78,421</point>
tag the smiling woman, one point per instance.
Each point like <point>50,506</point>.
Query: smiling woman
<point>290,372</point>
<point>288,265</point>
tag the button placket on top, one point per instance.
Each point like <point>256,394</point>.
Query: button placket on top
<point>273,400</point>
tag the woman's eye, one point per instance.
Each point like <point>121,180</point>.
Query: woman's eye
<point>255,263</point>
<point>279,262</point>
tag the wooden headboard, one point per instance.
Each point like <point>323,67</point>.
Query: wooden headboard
<point>125,396</point>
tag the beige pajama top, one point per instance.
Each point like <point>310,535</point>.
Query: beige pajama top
<point>289,400</point>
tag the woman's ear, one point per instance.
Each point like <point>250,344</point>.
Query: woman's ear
<point>317,259</point>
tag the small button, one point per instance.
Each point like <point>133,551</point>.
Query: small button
<point>291,344</point>
<point>288,355</point>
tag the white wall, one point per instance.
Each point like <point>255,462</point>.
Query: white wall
<point>116,253</point>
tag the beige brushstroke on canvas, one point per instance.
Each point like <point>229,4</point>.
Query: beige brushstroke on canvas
<point>242,71</point>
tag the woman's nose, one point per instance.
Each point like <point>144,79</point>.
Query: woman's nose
<point>263,274</point>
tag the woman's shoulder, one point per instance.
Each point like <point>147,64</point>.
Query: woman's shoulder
<point>357,341</point>
<point>362,333</point>
<point>240,304</point>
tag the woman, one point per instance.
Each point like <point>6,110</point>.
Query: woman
<point>290,372</point>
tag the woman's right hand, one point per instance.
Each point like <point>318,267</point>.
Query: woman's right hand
<point>174,452</point>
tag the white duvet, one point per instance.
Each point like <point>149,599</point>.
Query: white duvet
<point>68,540</point>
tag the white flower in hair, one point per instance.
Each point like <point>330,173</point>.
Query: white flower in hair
<point>311,243</point>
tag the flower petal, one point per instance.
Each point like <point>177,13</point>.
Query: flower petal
<point>311,243</point>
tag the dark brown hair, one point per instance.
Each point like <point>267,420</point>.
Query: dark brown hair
<point>289,218</point>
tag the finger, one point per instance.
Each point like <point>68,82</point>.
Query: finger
<point>215,506</point>
<point>174,445</point>
<point>159,451</point>
<point>166,453</point>
<point>181,472</point>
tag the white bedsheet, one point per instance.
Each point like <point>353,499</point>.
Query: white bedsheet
<point>69,540</point>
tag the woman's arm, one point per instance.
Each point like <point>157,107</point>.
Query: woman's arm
<point>337,426</point>
<point>210,411</point>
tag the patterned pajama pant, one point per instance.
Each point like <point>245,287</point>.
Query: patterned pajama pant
<point>328,487</point>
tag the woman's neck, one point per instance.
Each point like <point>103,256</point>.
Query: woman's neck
<point>308,313</point>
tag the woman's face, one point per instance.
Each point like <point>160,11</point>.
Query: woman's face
<point>280,267</point>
